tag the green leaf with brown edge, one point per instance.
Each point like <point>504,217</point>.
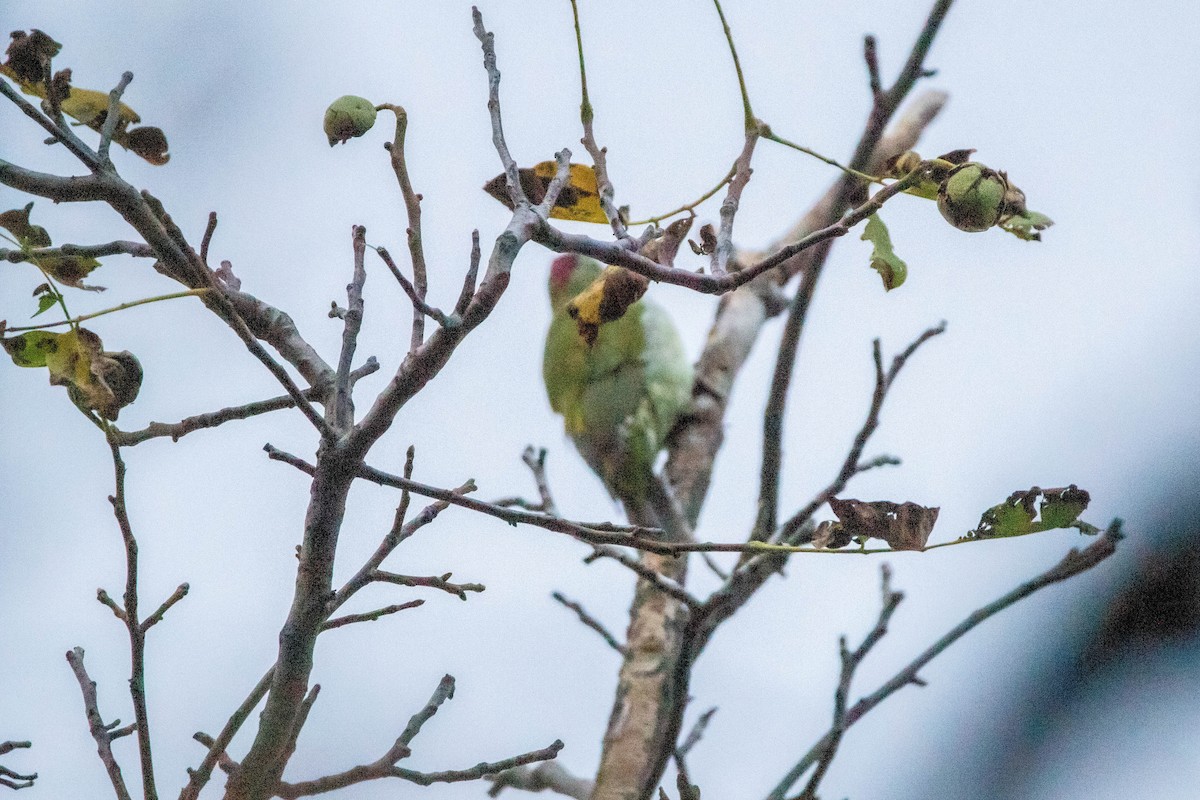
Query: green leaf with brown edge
<point>69,270</point>
<point>1019,514</point>
<point>30,349</point>
<point>891,268</point>
<point>16,221</point>
<point>96,380</point>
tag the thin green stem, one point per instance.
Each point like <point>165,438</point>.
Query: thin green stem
<point>689,206</point>
<point>750,122</point>
<point>585,104</point>
<point>84,317</point>
<point>769,134</point>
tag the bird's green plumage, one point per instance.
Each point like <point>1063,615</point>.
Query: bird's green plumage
<point>620,397</point>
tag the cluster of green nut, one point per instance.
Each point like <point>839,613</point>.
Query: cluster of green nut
<point>973,197</point>
<point>348,117</point>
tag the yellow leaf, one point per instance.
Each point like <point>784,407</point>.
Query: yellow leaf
<point>579,200</point>
<point>89,107</point>
<point>606,299</point>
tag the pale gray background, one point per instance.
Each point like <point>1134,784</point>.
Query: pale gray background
<point>1073,360</point>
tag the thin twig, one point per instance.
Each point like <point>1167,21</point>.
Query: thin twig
<point>1073,563</point>
<point>9,778</point>
<point>209,230</point>
<point>155,618</point>
<point>443,692</point>
<point>587,115</point>
<point>421,309</point>
<point>212,419</point>
<point>343,404</point>
<point>370,616</point>
<point>535,459</point>
<point>850,465</point>
<point>111,118</point>
<point>137,632</point>
<point>590,621</point>
<point>412,204</point>
<point>74,321</point>
<point>547,775</point>
<point>399,531</point>
<point>660,582</point>
<point>850,661</point>
<point>612,253</point>
<point>120,247</point>
<point>60,132</point>
<point>468,287</point>
<point>441,582</point>
<point>99,730</point>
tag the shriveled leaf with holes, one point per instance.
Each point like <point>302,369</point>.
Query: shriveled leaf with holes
<point>1022,513</point>
<point>904,526</point>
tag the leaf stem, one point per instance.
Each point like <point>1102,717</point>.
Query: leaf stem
<point>769,134</point>
<point>73,322</point>
<point>750,122</point>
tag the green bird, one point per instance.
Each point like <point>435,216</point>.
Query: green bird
<point>621,395</point>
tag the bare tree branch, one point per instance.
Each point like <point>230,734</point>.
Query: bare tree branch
<point>548,775</point>
<point>212,419</point>
<point>155,618</point>
<point>590,621</point>
<point>850,661</point>
<point>15,780</point>
<point>99,730</point>
<point>441,582</point>
<point>787,533</point>
<point>1073,563</point>
<point>34,254</point>
<point>199,777</point>
<point>370,616</point>
<point>416,246</point>
<point>134,626</point>
<point>343,404</point>
<point>111,117</point>
<point>535,459</point>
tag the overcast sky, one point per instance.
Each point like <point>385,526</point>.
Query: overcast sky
<point>1074,360</point>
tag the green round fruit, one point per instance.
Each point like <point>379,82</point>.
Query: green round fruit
<point>347,117</point>
<point>971,198</point>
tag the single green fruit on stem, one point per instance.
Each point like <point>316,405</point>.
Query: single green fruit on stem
<point>972,197</point>
<point>347,117</point>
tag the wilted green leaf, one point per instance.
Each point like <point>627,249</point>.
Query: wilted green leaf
<point>69,270</point>
<point>97,381</point>
<point>1027,225</point>
<point>16,222</point>
<point>1019,514</point>
<point>30,349</point>
<point>45,303</point>
<point>884,260</point>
